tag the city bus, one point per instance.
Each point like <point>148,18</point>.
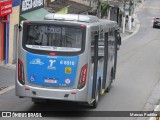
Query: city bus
<point>67,57</point>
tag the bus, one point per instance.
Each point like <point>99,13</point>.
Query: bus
<point>67,57</point>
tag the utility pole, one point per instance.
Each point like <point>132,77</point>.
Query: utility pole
<point>130,15</point>
<point>124,16</point>
<point>99,9</point>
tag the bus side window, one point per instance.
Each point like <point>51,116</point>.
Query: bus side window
<point>93,37</point>
<point>101,45</point>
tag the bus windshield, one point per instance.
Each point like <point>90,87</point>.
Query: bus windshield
<point>53,38</point>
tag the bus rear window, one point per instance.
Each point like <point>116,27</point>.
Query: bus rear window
<point>53,38</point>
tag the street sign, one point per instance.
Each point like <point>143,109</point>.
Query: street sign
<point>5,8</point>
<point>30,5</point>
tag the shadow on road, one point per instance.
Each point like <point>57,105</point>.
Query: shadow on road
<point>61,109</point>
<point>58,106</point>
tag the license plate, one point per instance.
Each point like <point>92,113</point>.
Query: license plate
<point>50,81</point>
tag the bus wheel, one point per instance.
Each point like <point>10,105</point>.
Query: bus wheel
<point>97,95</point>
<point>109,86</point>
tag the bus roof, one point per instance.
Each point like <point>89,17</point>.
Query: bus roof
<point>72,17</point>
<point>76,18</point>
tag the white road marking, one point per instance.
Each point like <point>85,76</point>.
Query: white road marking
<point>156,109</point>
<point>7,89</point>
<point>152,118</point>
<point>152,8</point>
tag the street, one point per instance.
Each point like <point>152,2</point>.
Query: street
<point>138,73</point>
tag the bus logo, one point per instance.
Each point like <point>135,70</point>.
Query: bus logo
<point>32,78</point>
<point>67,81</point>
<point>51,65</point>
<point>37,61</point>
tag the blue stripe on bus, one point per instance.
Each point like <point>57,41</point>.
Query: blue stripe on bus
<point>51,70</point>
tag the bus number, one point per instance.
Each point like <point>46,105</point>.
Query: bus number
<point>67,63</point>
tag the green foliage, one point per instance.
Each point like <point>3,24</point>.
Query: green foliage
<point>104,8</point>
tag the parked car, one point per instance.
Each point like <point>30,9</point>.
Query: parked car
<point>156,22</point>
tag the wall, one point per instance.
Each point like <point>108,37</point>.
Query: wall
<point>85,2</point>
<point>14,19</point>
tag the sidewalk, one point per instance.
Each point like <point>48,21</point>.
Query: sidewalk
<point>129,33</point>
<point>7,75</point>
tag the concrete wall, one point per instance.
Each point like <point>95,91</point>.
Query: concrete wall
<point>85,2</point>
<point>14,19</point>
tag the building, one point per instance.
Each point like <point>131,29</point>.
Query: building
<point>12,12</point>
<point>5,11</point>
<point>68,6</point>
<point>13,31</point>
<point>32,10</point>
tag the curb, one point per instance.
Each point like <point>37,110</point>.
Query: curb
<point>136,29</point>
<point>137,23</point>
<point>7,89</point>
<point>10,66</point>
<point>157,108</point>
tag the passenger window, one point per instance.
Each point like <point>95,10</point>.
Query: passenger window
<point>101,45</point>
<point>93,37</point>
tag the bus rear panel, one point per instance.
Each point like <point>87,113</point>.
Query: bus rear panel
<point>51,62</point>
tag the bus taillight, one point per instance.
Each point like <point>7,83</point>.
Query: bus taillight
<point>20,72</point>
<point>83,76</point>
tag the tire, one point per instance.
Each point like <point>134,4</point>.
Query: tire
<point>109,86</point>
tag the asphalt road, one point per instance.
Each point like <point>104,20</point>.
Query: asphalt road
<point>138,72</point>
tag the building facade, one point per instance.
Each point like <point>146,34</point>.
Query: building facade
<point>13,31</point>
<point>6,9</point>
<point>32,10</point>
